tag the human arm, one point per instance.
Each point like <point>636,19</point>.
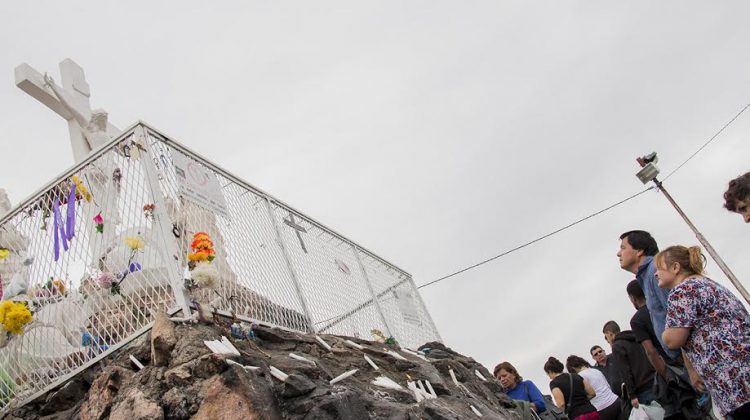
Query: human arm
<point>676,337</point>
<point>535,396</point>
<point>695,379</point>
<point>590,393</point>
<point>654,357</point>
<point>80,119</point>
<point>558,397</point>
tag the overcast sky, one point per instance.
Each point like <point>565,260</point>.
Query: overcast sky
<point>436,134</point>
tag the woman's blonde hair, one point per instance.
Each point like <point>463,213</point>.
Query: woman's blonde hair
<point>691,259</point>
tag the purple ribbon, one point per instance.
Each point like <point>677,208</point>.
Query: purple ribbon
<point>64,232</point>
<point>71,216</point>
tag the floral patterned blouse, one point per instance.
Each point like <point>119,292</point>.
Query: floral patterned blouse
<point>719,344</point>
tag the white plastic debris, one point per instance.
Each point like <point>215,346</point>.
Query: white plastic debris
<point>453,376</point>
<point>479,375</point>
<point>136,362</point>
<point>374,366</point>
<point>300,358</point>
<point>474,409</point>
<point>396,355</point>
<point>429,388</point>
<point>343,376</point>
<point>351,343</point>
<point>216,347</point>
<point>278,374</point>
<point>323,343</point>
<point>423,389</point>
<point>415,354</point>
<point>386,382</point>
<point>246,367</point>
<point>222,347</point>
<point>417,394</point>
<point>228,344</point>
<point>193,319</point>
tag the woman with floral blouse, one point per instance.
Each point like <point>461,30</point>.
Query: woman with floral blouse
<point>710,325</point>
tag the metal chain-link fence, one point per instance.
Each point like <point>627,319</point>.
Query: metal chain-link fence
<point>97,252</point>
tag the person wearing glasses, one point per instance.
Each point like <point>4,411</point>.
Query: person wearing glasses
<point>606,365</point>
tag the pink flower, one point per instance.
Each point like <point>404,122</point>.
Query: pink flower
<point>106,280</point>
<point>98,219</point>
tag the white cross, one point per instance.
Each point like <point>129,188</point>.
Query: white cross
<point>77,94</point>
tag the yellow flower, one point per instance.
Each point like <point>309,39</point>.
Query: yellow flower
<point>81,189</point>
<point>14,316</point>
<point>4,253</point>
<point>134,242</point>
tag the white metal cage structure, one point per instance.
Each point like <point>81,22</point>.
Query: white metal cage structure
<point>96,253</point>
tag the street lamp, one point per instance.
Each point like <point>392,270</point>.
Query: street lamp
<point>647,174</point>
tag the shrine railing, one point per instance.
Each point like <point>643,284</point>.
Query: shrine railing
<point>93,274</point>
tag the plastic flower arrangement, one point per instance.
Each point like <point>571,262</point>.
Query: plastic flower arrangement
<point>14,316</point>
<point>148,210</point>
<point>203,248</point>
<point>99,220</point>
<point>135,243</point>
<point>53,287</point>
<point>4,253</point>
<point>204,275</point>
<point>105,280</point>
<point>81,190</point>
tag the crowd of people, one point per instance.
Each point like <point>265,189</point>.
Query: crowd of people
<point>687,349</point>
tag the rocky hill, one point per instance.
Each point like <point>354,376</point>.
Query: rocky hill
<point>182,378</point>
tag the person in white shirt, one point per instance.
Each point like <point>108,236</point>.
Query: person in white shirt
<point>605,401</point>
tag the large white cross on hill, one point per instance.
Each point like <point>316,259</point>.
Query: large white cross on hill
<point>76,92</point>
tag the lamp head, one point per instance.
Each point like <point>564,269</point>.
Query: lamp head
<point>650,170</point>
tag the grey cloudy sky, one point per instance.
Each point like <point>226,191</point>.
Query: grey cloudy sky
<point>435,133</point>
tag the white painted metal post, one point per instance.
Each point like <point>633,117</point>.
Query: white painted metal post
<point>415,289</point>
<point>290,266</point>
<point>388,330</point>
<point>164,224</point>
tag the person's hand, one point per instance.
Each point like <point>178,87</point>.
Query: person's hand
<point>698,384</point>
<point>634,402</point>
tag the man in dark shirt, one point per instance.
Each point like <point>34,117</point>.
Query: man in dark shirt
<point>630,358</point>
<point>643,329</point>
<point>606,365</point>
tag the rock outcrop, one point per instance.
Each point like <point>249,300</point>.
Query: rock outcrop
<point>183,379</point>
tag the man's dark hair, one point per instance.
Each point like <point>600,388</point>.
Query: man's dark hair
<point>642,241</point>
<point>591,350</point>
<point>634,289</point>
<point>739,189</point>
<point>611,327</point>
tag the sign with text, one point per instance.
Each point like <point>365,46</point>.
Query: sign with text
<point>199,185</point>
<point>405,303</point>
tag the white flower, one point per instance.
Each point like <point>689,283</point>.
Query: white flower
<point>205,275</point>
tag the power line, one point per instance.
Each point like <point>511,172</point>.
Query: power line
<point>537,239</point>
<point>593,214</point>
<point>707,142</point>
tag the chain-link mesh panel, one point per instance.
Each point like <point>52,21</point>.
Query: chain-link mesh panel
<point>86,261</point>
<point>281,267</point>
<point>123,238</point>
<point>255,281</point>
